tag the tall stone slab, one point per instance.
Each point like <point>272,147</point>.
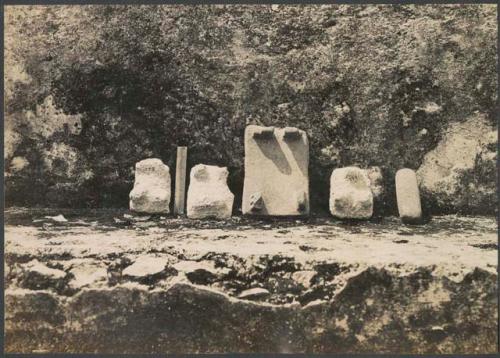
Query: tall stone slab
<point>208,193</point>
<point>351,195</point>
<point>408,196</point>
<point>180,181</point>
<point>276,172</point>
<point>151,192</point>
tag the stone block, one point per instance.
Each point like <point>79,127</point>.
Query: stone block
<point>276,172</point>
<point>350,194</point>
<point>408,196</point>
<point>208,193</point>
<point>151,192</point>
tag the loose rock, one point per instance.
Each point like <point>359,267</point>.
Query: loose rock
<point>146,266</point>
<point>350,194</point>
<point>59,218</point>
<point>208,193</point>
<point>151,192</point>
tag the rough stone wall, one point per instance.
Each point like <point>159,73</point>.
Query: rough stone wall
<point>375,85</point>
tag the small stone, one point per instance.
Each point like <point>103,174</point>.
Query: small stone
<point>408,196</point>
<point>254,293</point>
<point>350,194</point>
<point>423,132</point>
<point>208,193</point>
<point>151,192</point>
<point>58,219</point>
<point>304,278</point>
<point>146,266</point>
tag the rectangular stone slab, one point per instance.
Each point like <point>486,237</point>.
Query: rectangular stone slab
<point>276,172</point>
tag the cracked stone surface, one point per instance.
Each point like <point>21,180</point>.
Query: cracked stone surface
<point>315,285</point>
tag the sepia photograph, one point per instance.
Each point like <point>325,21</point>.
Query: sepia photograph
<point>266,179</point>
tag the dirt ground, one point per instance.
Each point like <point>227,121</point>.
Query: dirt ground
<point>289,263</point>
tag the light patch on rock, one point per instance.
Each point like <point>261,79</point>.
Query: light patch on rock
<point>430,108</point>
<point>11,138</point>
<point>304,277</point>
<point>208,193</point>
<point>152,191</point>
<point>350,194</point>
<point>61,159</point>
<point>51,119</point>
<point>457,151</point>
<point>18,163</point>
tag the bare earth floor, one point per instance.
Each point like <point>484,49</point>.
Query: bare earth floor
<point>111,281</point>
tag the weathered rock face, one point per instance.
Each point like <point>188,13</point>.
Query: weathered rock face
<point>276,171</point>
<point>368,104</point>
<point>208,193</point>
<point>408,196</point>
<point>152,191</point>
<point>350,194</point>
<point>460,172</point>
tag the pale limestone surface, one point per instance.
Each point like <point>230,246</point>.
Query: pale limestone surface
<point>87,273</point>
<point>208,194</point>
<point>276,172</point>
<point>350,194</point>
<point>146,266</point>
<point>408,195</point>
<point>151,192</point>
<point>462,143</point>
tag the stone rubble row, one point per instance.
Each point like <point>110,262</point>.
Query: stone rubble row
<point>276,183</point>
